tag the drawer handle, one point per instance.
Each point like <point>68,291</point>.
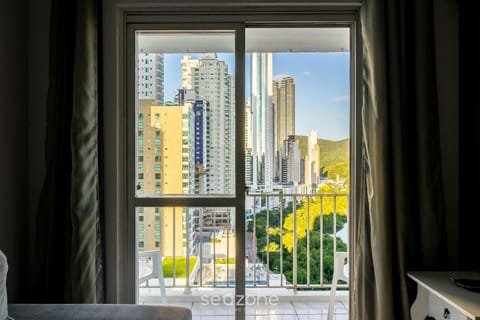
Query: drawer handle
<point>446,314</point>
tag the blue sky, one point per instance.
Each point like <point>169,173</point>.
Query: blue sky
<point>321,88</point>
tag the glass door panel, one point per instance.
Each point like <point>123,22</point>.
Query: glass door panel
<point>184,191</point>
<point>185,113</point>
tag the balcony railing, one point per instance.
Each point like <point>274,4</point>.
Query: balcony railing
<point>282,220</point>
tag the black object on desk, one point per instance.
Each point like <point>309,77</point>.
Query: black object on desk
<point>469,284</point>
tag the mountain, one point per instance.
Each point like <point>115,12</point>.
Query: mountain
<point>332,153</point>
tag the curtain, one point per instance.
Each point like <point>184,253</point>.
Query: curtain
<point>401,216</point>
<point>69,222</point>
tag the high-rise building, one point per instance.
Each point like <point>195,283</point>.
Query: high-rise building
<point>201,108</point>
<point>312,161</point>
<point>284,106</point>
<point>263,120</point>
<point>165,165</point>
<point>150,70</point>
<point>188,64</point>
<point>289,161</point>
<point>209,77</point>
<point>284,114</point>
<point>248,145</point>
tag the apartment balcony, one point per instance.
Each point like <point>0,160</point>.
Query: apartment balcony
<point>290,245</point>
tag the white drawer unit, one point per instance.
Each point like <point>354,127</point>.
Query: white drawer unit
<point>439,298</point>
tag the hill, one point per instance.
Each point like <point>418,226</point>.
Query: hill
<point>331,152</point>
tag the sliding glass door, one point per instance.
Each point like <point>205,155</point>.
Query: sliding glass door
<point>238,163</point>
<point>186,185</point>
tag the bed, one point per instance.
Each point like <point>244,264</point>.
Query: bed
<point>82,311</point>
<point>96,311</point>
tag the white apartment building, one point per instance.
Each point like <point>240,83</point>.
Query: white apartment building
<point>150,77</point>
<point>312,161</point>
<point>248,145</point>
<point>263,121</point>
<point>209,77</point>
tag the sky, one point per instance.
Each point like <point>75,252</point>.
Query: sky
<point>322,99</point>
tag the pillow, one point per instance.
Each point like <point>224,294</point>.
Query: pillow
<point>3,286</point>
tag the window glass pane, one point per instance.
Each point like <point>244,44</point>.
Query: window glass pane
<point>205,237</point>
<point>297,109</point>
<point>297,140</point>
<point>186,127</point>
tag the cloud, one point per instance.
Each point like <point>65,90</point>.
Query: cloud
<point>340,98</point>
<point>307,73</point>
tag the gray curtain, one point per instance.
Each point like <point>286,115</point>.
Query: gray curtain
<point>69,230</point>
<point>400,224</point>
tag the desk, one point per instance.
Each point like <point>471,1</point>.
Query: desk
<point>438,293</point>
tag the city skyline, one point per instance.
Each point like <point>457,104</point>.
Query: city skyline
<point>185,146</point>
<point>321,82</point>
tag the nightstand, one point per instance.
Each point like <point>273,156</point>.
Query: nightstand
<point>439,297</point>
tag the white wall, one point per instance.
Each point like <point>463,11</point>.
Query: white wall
<point>24,37</point>
<point>446,28</point>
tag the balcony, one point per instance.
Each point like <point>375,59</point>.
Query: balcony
<point>290,243</point>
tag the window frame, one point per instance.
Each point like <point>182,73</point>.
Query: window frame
<point>237,200</point>
<point>322,14</point>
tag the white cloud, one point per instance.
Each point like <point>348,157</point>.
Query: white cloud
<point>340,98</point>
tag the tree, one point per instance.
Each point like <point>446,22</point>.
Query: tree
<point>340,169</point>
<point>308,214</point>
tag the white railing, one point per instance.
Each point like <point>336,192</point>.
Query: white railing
<point>214,244</point>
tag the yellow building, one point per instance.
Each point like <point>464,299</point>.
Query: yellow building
<point>164,166</point>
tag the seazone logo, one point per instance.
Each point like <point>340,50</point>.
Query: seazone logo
<point>241,300</point>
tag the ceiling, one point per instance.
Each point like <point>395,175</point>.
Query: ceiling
<point>257,40</point>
